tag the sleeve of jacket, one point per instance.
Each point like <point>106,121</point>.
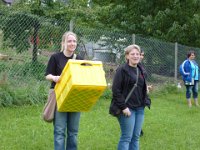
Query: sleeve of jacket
<point>188,71</point>
<point>117,89</point>
<point>185,70</point>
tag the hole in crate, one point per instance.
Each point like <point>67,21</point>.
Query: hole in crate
<point>86,64</point>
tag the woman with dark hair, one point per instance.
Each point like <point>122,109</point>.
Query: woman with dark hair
<point>149,87</point>
<point>190,75</point>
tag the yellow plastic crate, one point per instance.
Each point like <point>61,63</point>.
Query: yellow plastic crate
<point>81,84</point>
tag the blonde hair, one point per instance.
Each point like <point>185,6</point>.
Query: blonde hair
<point>64,37</point>
<point>129,48</point>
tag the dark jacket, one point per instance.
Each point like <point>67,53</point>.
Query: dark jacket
<point>121,88</point>
<point>143,69</point>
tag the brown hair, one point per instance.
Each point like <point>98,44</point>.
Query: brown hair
<point>190,53</point>
<point>64,37</point>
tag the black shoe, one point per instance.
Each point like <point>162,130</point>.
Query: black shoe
<point>141,133</point>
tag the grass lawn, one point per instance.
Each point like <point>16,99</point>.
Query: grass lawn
<point>169,125</point>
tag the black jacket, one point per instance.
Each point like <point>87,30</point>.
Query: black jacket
<point>122,86</point>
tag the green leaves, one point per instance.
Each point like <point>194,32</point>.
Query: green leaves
<point>18,29</point>
<point>174,21</point>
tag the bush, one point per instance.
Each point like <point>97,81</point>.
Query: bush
<point>6,95</point>
<point>107,94</point>
<point>29,69</point>
<point>31,92</point>
<point>166,89</point>
<point>2,67</point>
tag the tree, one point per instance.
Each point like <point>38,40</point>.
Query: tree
<point>18,28</point>
<point>168,20</point>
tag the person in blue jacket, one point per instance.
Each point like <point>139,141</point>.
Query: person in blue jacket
<point>190,74</point>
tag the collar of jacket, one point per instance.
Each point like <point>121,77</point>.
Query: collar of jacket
<point>126,66</point>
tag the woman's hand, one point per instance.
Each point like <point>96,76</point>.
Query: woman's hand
<point>56,78</point>
<point>126,112</point>
<point>149,88</point>
<point>53,78</point>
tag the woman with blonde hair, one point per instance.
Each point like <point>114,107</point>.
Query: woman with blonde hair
<point>63,120</point>
<point>132,111</point>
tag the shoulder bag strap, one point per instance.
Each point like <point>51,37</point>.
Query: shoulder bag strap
<point>135,85</point>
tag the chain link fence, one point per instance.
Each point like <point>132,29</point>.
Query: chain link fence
<point>27,42</point>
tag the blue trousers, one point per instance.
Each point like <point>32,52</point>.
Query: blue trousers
<point>63,121</point>
<point>130,129</point>
<point>192,89</point>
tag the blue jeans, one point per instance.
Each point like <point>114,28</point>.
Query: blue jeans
<point>63,121</point>
<point>130,129</point>
<point>193,89</point>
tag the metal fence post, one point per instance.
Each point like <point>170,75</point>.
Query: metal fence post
<point>71,25</point>
<point>133,38</point>
<point>176,62</point>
